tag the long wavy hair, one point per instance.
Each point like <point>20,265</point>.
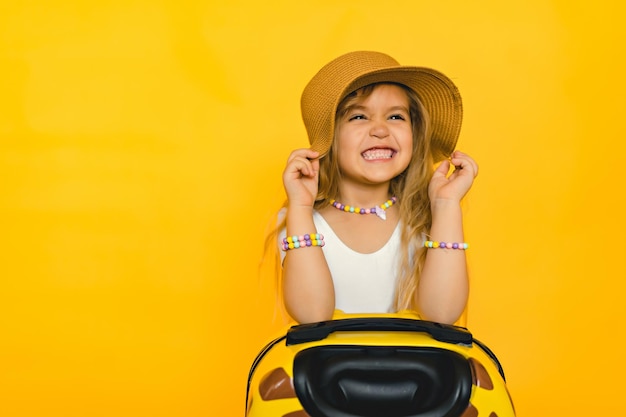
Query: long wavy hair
<point>411,188</point>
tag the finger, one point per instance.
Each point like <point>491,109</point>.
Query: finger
<point>302,166</point>
<point>313,155</point>
<point>303,153</point>
<point>315,164</point>
<point>463,161</point>
<point>471,162</point>
<point>443,168</point>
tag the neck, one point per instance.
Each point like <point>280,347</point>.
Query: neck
<point>364,196</point>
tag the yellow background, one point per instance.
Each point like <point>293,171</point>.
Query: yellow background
<point>141,149</point>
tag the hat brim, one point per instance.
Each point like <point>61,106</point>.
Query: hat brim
<point>438,94</point>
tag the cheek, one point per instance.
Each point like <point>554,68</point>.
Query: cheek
<point>345,158</point>
<point>406,138</point>
<point>407,147</point>
<point>345,141</point>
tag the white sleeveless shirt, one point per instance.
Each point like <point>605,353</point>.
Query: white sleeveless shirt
<point>364,282</point>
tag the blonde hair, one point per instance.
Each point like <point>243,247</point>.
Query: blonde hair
<point>411,188</point>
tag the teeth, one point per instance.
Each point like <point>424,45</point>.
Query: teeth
<point>377,154</point>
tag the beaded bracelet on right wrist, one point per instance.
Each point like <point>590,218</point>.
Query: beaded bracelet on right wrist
<point>445,245</point>
<point>308,240</point>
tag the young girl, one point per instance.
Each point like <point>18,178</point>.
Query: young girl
<point>367,212</point>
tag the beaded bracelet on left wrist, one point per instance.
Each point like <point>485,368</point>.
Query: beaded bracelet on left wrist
<point>445,245</point>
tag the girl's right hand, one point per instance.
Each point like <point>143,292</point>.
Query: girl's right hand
<point>301,176</point>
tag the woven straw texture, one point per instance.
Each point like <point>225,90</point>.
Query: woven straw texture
<point>354,70</point>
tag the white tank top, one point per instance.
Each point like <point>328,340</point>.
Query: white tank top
<point>364,282</point>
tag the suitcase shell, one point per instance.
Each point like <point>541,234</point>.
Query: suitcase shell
<point>390,365</point>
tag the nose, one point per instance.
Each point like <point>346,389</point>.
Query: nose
<point>379,130</point>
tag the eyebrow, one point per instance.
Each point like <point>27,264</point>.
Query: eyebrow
<point>403,108</point>
<point>361,107</point>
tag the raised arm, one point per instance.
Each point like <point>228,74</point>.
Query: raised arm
<point>443,287</point>
<point>308,291</point>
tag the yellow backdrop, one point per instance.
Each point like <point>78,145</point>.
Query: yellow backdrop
<point>142,144</point>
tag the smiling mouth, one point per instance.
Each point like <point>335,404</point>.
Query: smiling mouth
<point>378,154</point>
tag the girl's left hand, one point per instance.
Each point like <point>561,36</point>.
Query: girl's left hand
<point>457,184</point>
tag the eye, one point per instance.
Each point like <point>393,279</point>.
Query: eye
<point>397,117</point>
<point>357,117</point>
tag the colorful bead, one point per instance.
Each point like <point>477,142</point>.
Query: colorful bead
<point>307,240</point>
<point>445,245</point>
<point>374,210</point>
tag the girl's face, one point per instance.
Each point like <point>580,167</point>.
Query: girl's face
<point>375,136</point>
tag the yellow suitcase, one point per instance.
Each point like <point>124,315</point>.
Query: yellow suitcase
<point>383,365</point>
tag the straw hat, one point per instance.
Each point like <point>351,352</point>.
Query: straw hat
<point>354,70</point>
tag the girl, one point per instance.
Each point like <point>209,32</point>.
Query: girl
<point>367,212</point>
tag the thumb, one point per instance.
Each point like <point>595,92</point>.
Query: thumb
<point>443,168</point>
<point>315,164</point>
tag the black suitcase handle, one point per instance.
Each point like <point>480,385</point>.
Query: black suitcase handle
<point>304,333</point>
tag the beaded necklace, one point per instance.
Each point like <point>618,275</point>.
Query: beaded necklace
<point>378,210</point>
